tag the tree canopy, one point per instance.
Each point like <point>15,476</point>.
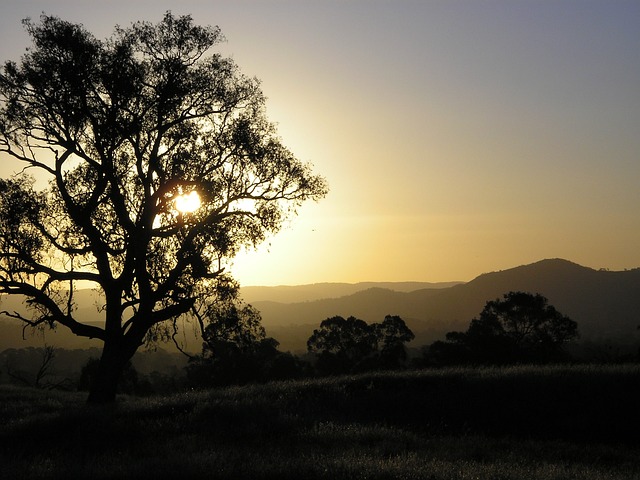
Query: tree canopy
<point>520,327</point>
<point>236,350</point>
<point>120,131</point>
<point>345,345</point>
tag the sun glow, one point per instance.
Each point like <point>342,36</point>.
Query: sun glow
<point>188,202</point>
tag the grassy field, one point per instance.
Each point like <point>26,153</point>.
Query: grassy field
<point>566,422</point>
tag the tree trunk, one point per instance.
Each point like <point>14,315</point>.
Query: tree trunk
<point>104,383</point>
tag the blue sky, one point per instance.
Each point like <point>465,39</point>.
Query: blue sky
<point>458,137</point>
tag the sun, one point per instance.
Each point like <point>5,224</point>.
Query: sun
<point>188,202</point>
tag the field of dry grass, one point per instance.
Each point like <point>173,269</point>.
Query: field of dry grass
<point>565,422</point>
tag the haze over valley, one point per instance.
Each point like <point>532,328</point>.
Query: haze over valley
<point>604,303</point>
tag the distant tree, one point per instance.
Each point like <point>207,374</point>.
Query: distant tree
<point>341,345</point>
<point>534,328</point>
<point>43,369</point>
<point>392,335</point>
<point>233,324</point>
<point>520,327</point>
<point>349,345</point>
<point>236,350</point>
<point>158,164</point>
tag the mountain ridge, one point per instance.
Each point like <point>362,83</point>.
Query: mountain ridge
<point>604,303</point>
<point>325,290</point>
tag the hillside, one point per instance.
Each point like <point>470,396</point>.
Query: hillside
<point>605,304</point>
<point>320,291</point>
<point>13,336</point>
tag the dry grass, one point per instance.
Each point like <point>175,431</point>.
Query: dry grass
<point>514,423</point>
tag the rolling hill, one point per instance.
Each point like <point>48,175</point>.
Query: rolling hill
<point>320,291</point>
<point>605,304</point>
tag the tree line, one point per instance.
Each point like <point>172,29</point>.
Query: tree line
<point>518,328</point>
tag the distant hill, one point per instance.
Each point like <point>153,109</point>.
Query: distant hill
<point>320,291</point>
<point>605,304</point>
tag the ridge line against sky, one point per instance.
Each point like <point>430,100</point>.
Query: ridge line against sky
<point>458,137</point>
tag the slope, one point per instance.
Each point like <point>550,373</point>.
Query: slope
<point>605,304</point>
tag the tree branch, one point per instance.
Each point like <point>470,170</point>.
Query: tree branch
<point>37,296</point>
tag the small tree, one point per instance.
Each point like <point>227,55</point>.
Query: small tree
<point>341,344</point>
<point>520,327</point>
<point>160,165</point>
<point>238,326</point>
<point>352,345</point>
<point>236,350</point>
<point>535,329</point>
<point>392,335</point>
<point>43,370</point>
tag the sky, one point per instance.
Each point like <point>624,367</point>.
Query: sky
<point>457,137</point>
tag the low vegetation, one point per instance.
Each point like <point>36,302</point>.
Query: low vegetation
<point>544,422</point>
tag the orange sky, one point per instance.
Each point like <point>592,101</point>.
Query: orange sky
<point>458,137</point>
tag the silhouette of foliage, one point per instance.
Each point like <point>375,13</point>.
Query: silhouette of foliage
<point>519,328</point>
<point>392,335</point>
<point>123,128</point>
<point>236,350</point>
<point>233,324</point>
<point>341,344</point>
<point>352,345</point>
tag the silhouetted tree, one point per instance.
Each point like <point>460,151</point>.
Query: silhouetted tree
<point>236,325</point>
<point>341,344</point>
<point>231,336</point>
<point>123,130</point>
<point>392,335</point>
<point>236,350</point>
<point>350,345</point>
<point>520,327</point>
<point>42,371</point>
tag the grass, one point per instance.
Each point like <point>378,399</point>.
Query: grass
<point>544,423</point>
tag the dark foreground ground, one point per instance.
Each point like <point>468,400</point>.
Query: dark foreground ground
<point>579,422</point>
